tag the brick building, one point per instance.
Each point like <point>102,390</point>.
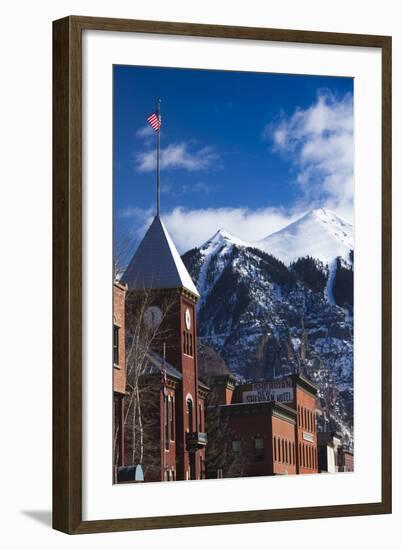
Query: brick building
<point>255,429</point>
<point>345,460</point>
<point>173,398</point>
<point>119,370</point>
<point>271,424</point>
<point>333,455</point>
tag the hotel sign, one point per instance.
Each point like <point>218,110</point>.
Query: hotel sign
<point>275,390</point>
<point>307,436</point>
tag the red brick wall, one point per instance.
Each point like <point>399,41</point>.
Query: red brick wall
<point>347,461</point>
<point>119,372</point>
<point>284,455</point>
<point>246,429</point>
<point>273,430</point>
<point>306,436</point>
<point>168,456</point>
<point>185,361</point>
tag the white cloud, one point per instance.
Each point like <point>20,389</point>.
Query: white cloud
<point>178,155</point>
<point>145,132</point>
<point>190,228</point>
<point>319,142</point>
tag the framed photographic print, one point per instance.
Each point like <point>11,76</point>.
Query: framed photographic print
<point>222,275</point>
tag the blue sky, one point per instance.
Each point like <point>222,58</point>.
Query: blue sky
<point>245,151</point>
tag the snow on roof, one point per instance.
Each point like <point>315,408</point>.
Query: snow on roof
<point>155,364</point>
<point>157,264</point>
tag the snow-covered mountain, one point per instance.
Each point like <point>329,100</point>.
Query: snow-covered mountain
<point>320,234</point>
<point>266,318</point>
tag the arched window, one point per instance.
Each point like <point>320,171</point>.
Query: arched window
<point>190,414</point>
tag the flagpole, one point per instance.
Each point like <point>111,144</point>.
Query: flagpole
<point>158,159</point>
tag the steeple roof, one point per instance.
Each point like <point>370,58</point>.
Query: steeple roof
<point>156,264</point>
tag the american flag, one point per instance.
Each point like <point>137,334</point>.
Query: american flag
<point>155,120</point>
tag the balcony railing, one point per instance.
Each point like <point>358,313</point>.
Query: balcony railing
<point>196,440</point>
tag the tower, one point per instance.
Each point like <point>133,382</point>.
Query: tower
<point>157,270</point>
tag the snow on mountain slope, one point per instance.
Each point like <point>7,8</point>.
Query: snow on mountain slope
<point>320,234</point>
<point>221,243</point>
<point>265,318</point>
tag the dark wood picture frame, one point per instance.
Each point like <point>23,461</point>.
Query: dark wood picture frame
<point>67,274</point>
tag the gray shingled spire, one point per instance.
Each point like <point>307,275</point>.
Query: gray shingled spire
<point>156,263</point>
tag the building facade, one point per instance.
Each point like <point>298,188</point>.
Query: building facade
<point>119,371</point>
<point>271,424</point>
<point>173,399</point>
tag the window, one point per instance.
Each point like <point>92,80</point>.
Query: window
<point>274,449</point>
<point>259,449</point>
<point>279,449</point>
<point>187,343</point>
<point>236,446</point>
<point>200,417</point>
<point>190,415</point>
<point>172,419</point>
<point>166,407</point>
<point>116,348</point>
